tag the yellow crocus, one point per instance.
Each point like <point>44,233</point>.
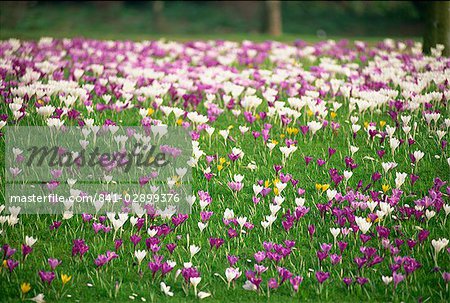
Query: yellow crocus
<point>385,187</point>
<point>25,287</point>
<point>325,187</point>
<point>292,130</point>
<point>318,186</point>
<point>276,191</point>
<point>150,111</point>
<point>179,121</point>
<point>382,123</point>
<point>309,113</point>
<point>222,160</point>
<point>65,278</point>
<point>219,167</point>
<point>282,136</point>
<point>333,115</point>
<point>366,124</point>
<point>267,183</point>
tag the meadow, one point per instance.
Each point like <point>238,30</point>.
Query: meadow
<point>320,171</point>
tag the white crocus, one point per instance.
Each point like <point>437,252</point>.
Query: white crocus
<point>228,214</point>
<point>193,249</point>
<point>140,255</point>
<point>166,289</point>
<point>386,280</point>
<point>438,245</point>
<point>363,225</point>
<point>335,232</point>
<point>202,226</point>
<point>241,221</point>
<point>347,174</point>
<point>430,214</point>
<point>30,241</point>
<point>418,155</point>
<point>203,294</point>
<point>400,179</point>
<point>231,273</point>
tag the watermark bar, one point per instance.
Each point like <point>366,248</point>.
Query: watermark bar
<point>49,168</point>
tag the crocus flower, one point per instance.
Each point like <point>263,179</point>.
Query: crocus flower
<point>311,230</point>
<point>53,263</point>
<point>322,276</point>
<point>272,283</point>
<point>117,244</point>
<point>397,278</point>
<point>26,250</point>
<point>295,282</point>
<point>11,264</point>
<point>347,280</point>
<point>47,276</point>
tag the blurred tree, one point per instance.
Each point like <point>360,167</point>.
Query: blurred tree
<point>274,24</point>
<point>437,29</point>
<point>158,17</point>
<point>12,12</point>
<point>107,5</point>
<point>245,14</point>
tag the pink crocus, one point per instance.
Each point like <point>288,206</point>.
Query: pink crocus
<point>272,283</point>
<point>53,263</point>
<point>235,186</point>
<point>397,278</point>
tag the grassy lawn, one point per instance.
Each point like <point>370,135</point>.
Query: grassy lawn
<point>288,38</point>
<point>123,279</point>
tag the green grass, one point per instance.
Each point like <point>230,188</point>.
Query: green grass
<point>422,285</point>
<point>91,34</point>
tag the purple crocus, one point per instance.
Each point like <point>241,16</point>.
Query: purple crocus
<point>171,247</point>
<point>47,276</point>
<point>311,230</point>
<point>295,282</point>
<point>117,244</point>
<point>11,264</point>
<point>322,276</point>
<point>347,280</point>
<point>232,260</point>
<point>135,239</point>
<point>26,250</point>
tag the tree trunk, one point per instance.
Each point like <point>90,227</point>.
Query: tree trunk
<point>274,26</point>
<point>437,29</point>
<point>158,16</point>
